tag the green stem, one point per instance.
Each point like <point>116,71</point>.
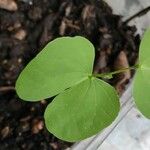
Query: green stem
<point>110,74</point>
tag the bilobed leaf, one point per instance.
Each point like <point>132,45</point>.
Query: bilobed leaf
<point>82,111</point>
<point>63,63</point>
<point>85,105</point>
<point>141,87</point>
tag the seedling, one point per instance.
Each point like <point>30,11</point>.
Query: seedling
<point>84,104</point>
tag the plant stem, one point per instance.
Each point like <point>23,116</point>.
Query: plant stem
<point>110,74</point>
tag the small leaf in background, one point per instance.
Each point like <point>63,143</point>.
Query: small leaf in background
<point>63,63</point>
<point>83,110</point>
<point>141,87</point>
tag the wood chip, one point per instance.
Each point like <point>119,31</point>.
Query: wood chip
<point>88,12</point>
<point>6,88</point>
<point>5,132</point>
<point>37,126</point>
<point>16,25</point>
<point>62,28</point>
<point>54,146</point>
<point>9,5</point>
<point>20,34</point>
<point>25,119</point>
<point>120,63</point>
<point>101,62</point>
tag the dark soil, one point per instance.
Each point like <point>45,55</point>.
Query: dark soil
<point>25,30</point>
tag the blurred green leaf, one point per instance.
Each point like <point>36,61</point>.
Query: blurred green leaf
<point>141,87</point>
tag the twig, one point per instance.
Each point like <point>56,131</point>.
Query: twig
<point>70,24</point>
<point>138,14</point>
<point>6,88</point>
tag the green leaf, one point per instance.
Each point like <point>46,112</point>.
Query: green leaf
<point>63,63</point>
<point>82,111</point>
<point>141,87</point>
